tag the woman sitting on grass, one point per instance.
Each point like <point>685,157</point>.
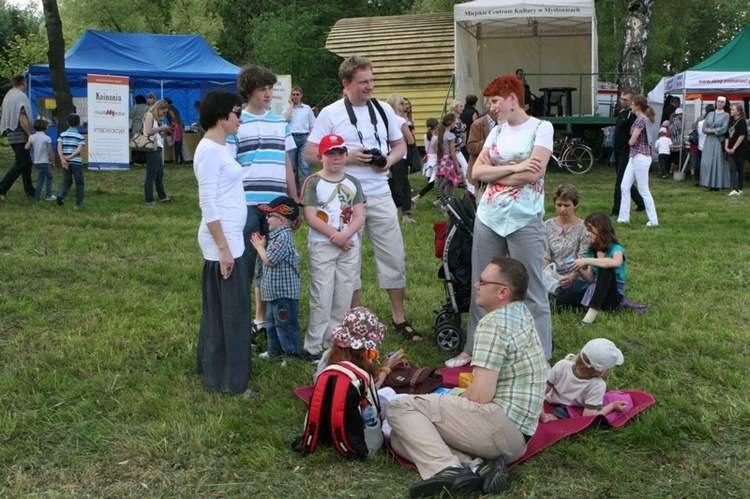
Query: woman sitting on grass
<point>566,238</point>
<point>603,268</point>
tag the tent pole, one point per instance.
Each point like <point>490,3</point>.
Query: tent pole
<point>682,126</point>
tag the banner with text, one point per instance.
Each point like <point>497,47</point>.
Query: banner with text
<point>109,138</point>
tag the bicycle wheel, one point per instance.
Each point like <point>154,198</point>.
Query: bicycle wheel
<point>578,159</point>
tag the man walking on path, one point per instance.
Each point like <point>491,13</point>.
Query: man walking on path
<point>16,121</point>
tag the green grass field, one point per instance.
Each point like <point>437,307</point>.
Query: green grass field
<point>99,314</point>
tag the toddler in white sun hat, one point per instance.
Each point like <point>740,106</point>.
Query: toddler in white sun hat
<point>577,381</point>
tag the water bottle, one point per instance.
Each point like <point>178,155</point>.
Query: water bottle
<point>369,416</point>
<point>569,262</point>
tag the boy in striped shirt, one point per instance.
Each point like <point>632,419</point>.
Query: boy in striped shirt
<point>261,147</point>
<point>69,146</point>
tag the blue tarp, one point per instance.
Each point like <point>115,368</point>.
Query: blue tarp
<point>181,67</point>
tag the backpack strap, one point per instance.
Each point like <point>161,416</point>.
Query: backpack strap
<point>309,441</point>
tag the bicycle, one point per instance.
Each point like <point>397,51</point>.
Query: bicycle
<point>574,155</point>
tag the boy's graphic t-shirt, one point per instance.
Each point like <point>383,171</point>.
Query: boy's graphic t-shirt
<point>334,201</point>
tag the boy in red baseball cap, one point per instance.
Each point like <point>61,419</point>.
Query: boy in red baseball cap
<point>333,207</point>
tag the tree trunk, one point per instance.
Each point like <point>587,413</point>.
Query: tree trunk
<point>56,57</point>
<point>634,51</point>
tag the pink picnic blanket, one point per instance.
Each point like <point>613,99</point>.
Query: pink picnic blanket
<point>546,433</point>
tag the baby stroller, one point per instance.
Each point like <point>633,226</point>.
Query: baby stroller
<point>453,241</point>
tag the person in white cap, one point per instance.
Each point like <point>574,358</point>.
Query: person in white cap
<point>577,381</point>
<point>664,149</point>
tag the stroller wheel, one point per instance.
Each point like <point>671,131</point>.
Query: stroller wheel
<point>448,337</point>
<point>443,317</point>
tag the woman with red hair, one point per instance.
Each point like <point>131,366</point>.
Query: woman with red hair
<point>509,217</point>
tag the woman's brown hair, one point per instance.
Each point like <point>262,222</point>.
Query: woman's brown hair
<point>642,102</point>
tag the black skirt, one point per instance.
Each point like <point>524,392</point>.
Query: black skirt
<point>224,352</point>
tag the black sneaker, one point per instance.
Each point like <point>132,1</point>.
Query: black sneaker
<point>457,482</point>
<point>495,476</point>
<point>59,201</point>
<point>313,358</point>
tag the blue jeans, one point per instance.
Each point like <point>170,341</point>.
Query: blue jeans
<point>178,156</point>
<point>44,174</point>
<point>255,222</point>
<point>282,327</point>
<point>72,172</point>
<point>154,175</point>
<point>298,160</point>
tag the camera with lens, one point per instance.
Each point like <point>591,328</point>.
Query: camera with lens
<point>377,157</point>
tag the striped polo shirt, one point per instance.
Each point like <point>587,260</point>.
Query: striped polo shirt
<point>260,147</point>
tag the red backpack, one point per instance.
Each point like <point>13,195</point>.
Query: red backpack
<point>335,416</point>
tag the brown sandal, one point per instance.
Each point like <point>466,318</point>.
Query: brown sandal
<point>406,329</point>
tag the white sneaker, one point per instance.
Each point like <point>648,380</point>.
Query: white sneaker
<point>652,224</point>
<point>264,355</point>
<point>623,221</point>
<point>51,198</point>
<point>457,362</point>
<point>734,193</point>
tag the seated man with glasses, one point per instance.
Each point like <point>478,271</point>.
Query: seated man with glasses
<point>461,444</point>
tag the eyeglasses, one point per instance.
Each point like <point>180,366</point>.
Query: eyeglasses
<point>482,282</point>
<point>237,112</point>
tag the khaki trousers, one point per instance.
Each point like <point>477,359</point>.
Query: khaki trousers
<point>332,275</point>
<point>384,232</point>
<point>438,431</point>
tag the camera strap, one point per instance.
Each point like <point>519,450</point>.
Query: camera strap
<point>371,105</point>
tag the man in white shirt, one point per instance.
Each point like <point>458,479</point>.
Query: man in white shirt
<point>301,120</point>
<point>375,143</point>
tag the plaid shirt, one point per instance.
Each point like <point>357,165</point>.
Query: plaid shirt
<point>641,145</point>
<point>506,341</point>
<point>283,279</point>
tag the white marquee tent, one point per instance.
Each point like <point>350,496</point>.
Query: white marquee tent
<point>495,37</point>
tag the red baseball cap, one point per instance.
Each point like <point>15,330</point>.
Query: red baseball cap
<point>331,142</point>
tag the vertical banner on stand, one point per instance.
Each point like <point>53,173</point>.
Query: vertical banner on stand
<point>109,138</point>
<point>282,90</point>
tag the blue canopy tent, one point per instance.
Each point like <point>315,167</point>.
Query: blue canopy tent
<point>180,67</point>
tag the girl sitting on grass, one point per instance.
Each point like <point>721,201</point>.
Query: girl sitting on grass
<point>603,268</point>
